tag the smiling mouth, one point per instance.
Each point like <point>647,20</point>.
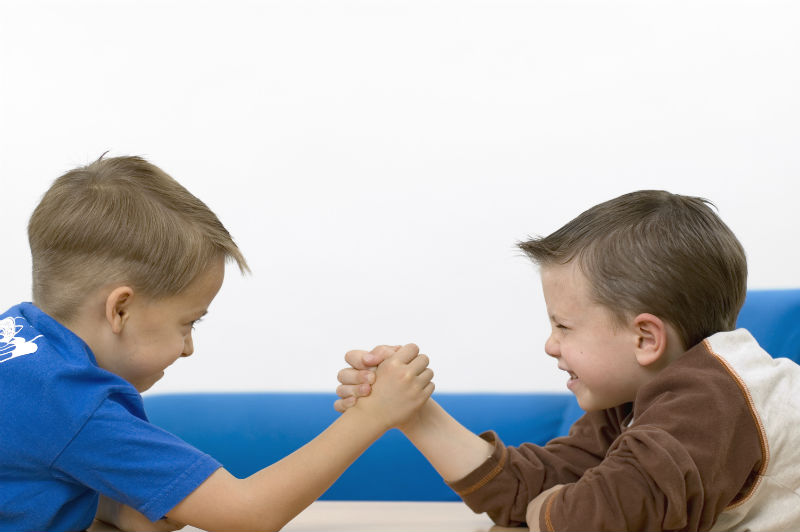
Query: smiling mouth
<point>571,374</point>
<point>572,379</point>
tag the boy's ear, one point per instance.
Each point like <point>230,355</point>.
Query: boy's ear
<point>118,305</point>
<point>651,338</point>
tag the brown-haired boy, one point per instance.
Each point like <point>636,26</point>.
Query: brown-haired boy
<point>690,425</point>
<point>125,261</point>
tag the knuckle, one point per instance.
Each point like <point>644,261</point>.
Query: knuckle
<point>345,376</point>
<point>382,351</point>
<point>355,358</point>
<point>349,376</point>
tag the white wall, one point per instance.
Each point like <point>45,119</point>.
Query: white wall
<point>377,160</point>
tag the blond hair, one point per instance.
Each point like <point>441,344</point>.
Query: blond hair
<point>121,220</point>
<point>656,252</point>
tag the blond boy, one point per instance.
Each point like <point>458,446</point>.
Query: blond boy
<point>690,425</point>
<point>125,262</point>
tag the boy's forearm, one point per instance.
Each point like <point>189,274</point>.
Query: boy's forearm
<point>303,476</point>
<point>452,449</point>
<point>270,498</point>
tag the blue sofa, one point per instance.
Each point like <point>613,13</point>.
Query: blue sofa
<point>249,431</point>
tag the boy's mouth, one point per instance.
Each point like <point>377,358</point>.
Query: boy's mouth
<point>573,378</point>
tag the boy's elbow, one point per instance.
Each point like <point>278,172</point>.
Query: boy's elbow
<point>226,503</point>
<point>254,515</point>
<point>504,520</point>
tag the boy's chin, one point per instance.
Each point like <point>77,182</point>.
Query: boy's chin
<point>146,384</point>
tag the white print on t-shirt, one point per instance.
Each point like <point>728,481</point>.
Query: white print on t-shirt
<point>11,345</point>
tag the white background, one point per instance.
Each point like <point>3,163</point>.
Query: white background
<point>377,161</point>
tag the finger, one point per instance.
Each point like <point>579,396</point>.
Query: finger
<point>425,376</point>
<point>382,352</point>
<point>407,353</point>
<point>348,376</point>
<point>378,355</point>
<point>356,358</point>
<point>419,364</point>
<point>356,376</point>
<point>367,360</point>
<point>343,404</point>
<point>428,389</point>
<point>337,405</point>
<point>353,390</point>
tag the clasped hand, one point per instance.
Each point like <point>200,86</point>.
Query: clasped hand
<point>397,378</point>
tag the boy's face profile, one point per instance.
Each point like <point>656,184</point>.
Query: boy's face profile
<point>598,354</point>
<point>155,333</point>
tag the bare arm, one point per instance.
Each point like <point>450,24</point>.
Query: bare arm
<point>270,498</point>
<point>126,518</point>
<point>452,449</point>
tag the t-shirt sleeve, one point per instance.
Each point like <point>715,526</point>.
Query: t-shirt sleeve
<point>133,461</point>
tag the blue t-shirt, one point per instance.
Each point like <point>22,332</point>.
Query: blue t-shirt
<point>70,430</point>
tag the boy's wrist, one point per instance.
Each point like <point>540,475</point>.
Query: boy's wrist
<point>369,419</point>
<point>420,420</point>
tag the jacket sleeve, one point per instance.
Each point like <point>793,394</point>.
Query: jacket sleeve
<point>512,476</point>
<point>648,481</point>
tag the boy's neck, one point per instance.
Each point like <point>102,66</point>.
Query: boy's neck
<point>673,351</point>
<point>89,324</point>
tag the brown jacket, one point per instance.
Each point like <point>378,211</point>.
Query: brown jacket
<point>686,449</point>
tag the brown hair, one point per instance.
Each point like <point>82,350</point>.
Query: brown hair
<point>121,220</point>
<point>656,252</point>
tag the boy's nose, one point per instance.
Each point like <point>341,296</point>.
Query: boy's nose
<point>188,347</point>
<point>551,347</point>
